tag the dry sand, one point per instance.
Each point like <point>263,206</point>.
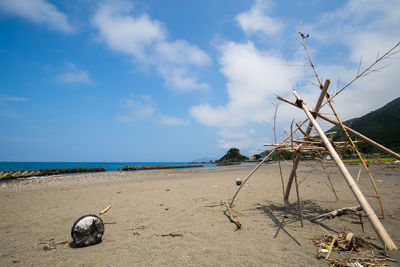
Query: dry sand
<point>149,204</point>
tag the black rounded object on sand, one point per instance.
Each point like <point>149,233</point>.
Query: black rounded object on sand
<point>87,230</point>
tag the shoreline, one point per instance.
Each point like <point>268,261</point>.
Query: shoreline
<point>147,206</point>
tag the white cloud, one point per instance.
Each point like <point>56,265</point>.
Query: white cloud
<point>5,110</point>
<point>12,98</point>
<point>172,121</point>
<point>254,76</point>
<point>74,75</point>
<point>247,140</point>
<point>145,40</point>
<point>256,19</point>
<point>365,28</point>
<point>141,109</point>
<point>77,76</point>
<point>37,11</point>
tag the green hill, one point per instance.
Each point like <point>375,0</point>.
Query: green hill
<point>233,156</point>
<point>381,125</point>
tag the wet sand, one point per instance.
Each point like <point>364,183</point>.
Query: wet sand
<point>147,206</point>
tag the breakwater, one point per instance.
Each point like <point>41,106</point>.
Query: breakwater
<point>140,168</point>
<point>10,175</point>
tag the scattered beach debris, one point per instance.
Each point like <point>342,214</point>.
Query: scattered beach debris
<point>105,210</point>
<point>141,227</point>
<point>213,205</point>
<point>50,245</point>
<point>140,168</point>
<point>348,242</point>
<point>87,230</point>
<point>238,181</point>
<point>172,235</point>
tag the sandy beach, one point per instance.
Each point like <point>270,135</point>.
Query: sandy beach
<point>148,206</point>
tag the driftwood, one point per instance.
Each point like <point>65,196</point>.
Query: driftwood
<point>331,247</point>
<point>230,215</point>
<point>105,210</point>
<point>173,235</point>
<point>335,213</point>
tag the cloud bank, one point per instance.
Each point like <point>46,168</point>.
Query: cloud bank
<point>145,41</point>
<point>37,11</point>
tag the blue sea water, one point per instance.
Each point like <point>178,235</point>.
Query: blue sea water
<point>110,166</point>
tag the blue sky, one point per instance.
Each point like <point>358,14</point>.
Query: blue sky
<point>172,80</point>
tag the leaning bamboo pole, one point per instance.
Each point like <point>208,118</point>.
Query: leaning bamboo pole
<point>250,174</point>
<point>308,131</point>
<point>354,132</point>
<point>378,227</point>
<point>328,176</point>
<point>296,183</point>
<point>361,159</point>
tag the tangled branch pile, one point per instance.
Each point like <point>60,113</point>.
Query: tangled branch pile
<point>372,255</point>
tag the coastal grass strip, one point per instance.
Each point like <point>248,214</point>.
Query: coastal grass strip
<point>140,168</point>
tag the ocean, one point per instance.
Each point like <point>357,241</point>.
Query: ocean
<point>109,166</point>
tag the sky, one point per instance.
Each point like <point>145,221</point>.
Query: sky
<point>180,80</point>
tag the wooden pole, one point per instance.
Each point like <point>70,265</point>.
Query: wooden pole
<point>329,177</point>
<point>295,180</point>
<point>361,158</point>
<point>308,131</point>
<point>376,224</point>
<point>248,177</point>
<point>279,160</point>
<point>354,132</point>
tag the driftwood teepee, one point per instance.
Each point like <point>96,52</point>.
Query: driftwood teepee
<point>321,144</point>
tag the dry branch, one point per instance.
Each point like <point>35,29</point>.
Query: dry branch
<point>238,224</point>
<point>329,178</point>
<point>335,213</point>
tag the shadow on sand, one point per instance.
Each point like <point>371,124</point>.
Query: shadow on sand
<point>283,216</point>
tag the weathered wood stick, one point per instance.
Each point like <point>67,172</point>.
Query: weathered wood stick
<point>335,213</point>
<point>238,224</point>
<point>308,131</point>
<point>354,132</point>
<point>295,180</point>
<point>361,158</point>
<point>329,178</point>
<point>378,227</point>
<point>248,177</point>
<point>331,247</point>
<point>105,210</point>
